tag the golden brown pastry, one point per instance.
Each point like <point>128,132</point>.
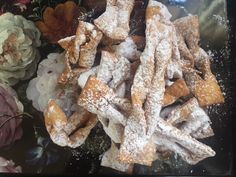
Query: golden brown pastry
<point>114,22</point>
<point>149,83</point>
<point>80,49</point>
<point>191,150</point>
<point>188,36</point>
<point>110,159</point>
<point>205,88</point>
<point>182,113</point>
<point>188,28</point>
<point>97,97</point>
<point>191,119</point>
<point>127,49</point>
<point>65,131</point>
<point>113,69</point>
<point>175,91</point>
<point>127,90</point>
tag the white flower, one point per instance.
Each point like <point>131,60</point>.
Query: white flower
<point>19,39</point>
<point>44,87</point>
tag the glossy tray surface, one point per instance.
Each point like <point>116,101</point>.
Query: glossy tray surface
<point>216,38</point>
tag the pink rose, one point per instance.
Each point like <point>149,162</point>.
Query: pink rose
<point>8,166</point>
<point>23,1</point>
<point>10,128</point>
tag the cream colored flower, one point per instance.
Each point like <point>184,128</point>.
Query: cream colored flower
<point>45,87</point>
<point>19,39</point>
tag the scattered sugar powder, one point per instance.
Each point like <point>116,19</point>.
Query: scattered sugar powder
<point>221,21</point>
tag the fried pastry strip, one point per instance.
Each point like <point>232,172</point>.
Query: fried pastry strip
<point>188,27</point>
<point>191,150</point>
<point>172,93</point>
<point>194,120</point>
<point>101,100</point>
<point>86,42</point>
<point>206,88</point>
<point>113,129</point>
<point>175,91</point>
<point>82,79</point>
<point>149,84</point>
<point>174,68</point>
<point>82,47</point>
<point>66,131</point>
<point>111,73</point>
<point>169,136</point>
<point>188,37</point>
<point>114,22</point>
<point>113,69</point>
<point>182,113</point>
<point>80,50</point>
<point>110,159</point>
<point>97,97</point>
<point>128,48</point>
<point>198,124</point>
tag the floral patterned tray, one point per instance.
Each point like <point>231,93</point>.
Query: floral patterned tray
<point>24,138</point>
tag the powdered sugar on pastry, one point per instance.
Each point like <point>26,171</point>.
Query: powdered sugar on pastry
<point>113,130</point>
<point>189,148</point>
<point>113,69</point>
<point>127,49</point>
<point>114,22</point>
<point>149,82</point>
<point>62,129</point>
<point>88,38</point>
<point>82,79</point>
<point>128,89</point>
<point>198,124</point>
<point>175,91</point>
<point>206,89</point>
<point>97,97</point>
<point>81,50</point>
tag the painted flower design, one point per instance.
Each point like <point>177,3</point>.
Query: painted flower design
<point>19,39</point>
<point>44,87</point>
<point>43,154</point>
<point>61,21</point>
<point>97,5</point>
<point>21,4</point>
<point>10,107</point>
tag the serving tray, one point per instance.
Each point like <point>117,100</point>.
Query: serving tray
<point>217,23</point>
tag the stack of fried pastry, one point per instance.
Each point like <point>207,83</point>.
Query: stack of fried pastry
<point>149,98</point>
